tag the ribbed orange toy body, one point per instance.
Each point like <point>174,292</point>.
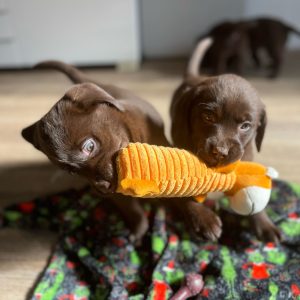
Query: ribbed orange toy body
<point>150,171</point>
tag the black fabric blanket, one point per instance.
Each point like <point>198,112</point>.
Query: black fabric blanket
<point>94,259</point>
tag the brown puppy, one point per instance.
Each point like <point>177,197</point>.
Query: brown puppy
<point>85,129</point>
<point>270,35</point>
<point>232,39</point>
<point>219,119</point>
<point>229,48</point>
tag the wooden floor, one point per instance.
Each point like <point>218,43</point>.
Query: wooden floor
<point>24,173</point>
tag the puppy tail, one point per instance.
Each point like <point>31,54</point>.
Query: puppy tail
<point>197,56</point>
<point>74,74</point>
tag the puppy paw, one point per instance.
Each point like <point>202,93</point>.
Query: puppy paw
<point>268,233</point>
<point>138,229</point>
<point>203,221</point>
<point>264,228</point>
<point>134,217</point>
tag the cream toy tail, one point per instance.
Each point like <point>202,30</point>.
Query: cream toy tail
<point>253,199</point>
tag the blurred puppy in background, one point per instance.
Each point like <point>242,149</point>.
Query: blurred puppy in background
<point>228,50</point>
<point>234,41</point>
<point>219,119</point>
<point>271,36</point>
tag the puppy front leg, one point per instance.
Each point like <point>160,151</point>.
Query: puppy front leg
<point>202,220</point>
<point>264,228</point>
<point>255,57</point>
<point>134,216</point>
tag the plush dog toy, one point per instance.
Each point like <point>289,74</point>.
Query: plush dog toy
<point>152,171</point>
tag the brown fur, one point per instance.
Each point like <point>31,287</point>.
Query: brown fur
<point>219,119</point>
<point>229,49</point>
<point>112,117</point>
<point>271,36</point>
<point>233,40</point>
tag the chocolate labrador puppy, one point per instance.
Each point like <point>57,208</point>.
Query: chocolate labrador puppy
<point>85,129</point>
<point>232,40</point>
<point>270,35</point>
<point>229,48</point>
<point>219,119</point>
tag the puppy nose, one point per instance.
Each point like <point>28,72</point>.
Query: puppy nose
<point>219,152</point>
<point>103,186</point>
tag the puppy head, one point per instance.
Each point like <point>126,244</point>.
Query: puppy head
<point>82,133</point>
<point>225,116</point>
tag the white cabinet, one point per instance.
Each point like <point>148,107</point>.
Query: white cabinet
<point>82,32</point>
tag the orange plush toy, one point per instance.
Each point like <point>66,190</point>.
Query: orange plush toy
<point>152,171</point>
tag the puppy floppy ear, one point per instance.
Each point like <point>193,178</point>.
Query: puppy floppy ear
<point>260,131</point>
<point>181,110</point>
<point>29,134</point>
<point>88,95</point>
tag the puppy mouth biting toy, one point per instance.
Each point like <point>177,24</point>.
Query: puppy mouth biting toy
<point>150,171</point>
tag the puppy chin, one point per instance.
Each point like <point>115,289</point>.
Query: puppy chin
<point>211,162</point>
<point>103,187</point>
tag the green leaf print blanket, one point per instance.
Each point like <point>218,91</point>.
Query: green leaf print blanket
<point>94,258</point>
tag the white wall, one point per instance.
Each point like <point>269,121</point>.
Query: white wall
<point>169,27</point>
<point>286,10</point>
<point>82,32</point>
<point>105,32</point>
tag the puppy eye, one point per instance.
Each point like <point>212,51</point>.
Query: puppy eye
<point>245,126</point>
<point>88,147</point>
<point>208,117</point>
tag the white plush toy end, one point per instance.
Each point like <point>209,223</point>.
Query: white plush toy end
<point>253,199</point>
